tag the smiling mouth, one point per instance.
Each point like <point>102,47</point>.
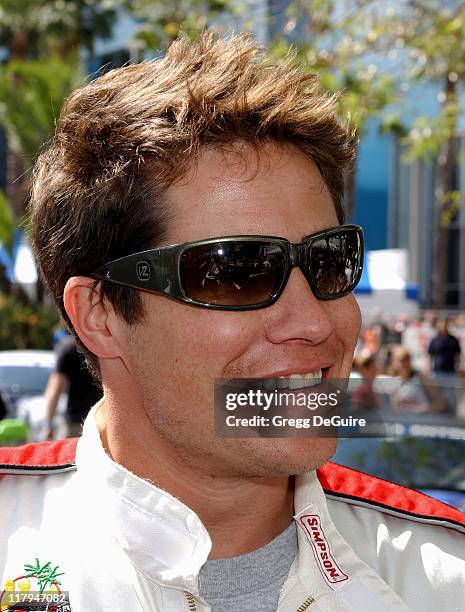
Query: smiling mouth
<point>293,381</point>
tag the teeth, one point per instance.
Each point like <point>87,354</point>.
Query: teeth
<point>294,381</point>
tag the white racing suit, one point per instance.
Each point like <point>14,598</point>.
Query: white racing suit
<point>76,524</point>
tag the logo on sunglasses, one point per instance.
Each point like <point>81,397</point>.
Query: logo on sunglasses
<point>143,271</point>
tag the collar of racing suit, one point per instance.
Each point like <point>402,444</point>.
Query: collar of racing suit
<point>167,542</point>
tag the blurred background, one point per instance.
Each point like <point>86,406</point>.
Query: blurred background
<point>401,66</point>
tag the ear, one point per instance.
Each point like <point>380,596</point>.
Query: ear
<point>93,318</point>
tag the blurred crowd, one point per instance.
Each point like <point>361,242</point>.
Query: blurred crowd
<point>425,355</point>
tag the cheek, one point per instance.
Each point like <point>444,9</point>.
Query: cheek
<point>199,341</point>
<point>347,321</point>
<point>226,337</point>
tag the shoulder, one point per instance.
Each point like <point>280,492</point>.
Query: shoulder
<point>28,475</point>
<point>415,543</point>
<point>66,351</point>
<point>35,485</point>
<point>39,458</point>
<point>455,341</point>
<point>365,491</point>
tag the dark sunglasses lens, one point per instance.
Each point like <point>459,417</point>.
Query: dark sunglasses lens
<point>232,273</point>
<point>335,263</point>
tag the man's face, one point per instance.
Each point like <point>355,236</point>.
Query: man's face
<point>179,350</point>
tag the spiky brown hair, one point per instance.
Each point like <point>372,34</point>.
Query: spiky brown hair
<point>124,138</point>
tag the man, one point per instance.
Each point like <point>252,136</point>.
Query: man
<point>224,155</point>
<point>71,375</point>
<point>444,354</point>
<point>3,408</point>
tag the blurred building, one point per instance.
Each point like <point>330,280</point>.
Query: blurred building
<point>413,222</point>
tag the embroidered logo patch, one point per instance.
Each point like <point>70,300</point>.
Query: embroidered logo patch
<point>326,562</point>
<point>38,589</point>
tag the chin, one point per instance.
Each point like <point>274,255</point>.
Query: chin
<point>291,456</point>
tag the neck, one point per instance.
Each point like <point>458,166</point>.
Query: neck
<point>240,514</point>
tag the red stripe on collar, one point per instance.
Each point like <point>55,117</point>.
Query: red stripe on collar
<point>345,482</point>
<point>39,455</point>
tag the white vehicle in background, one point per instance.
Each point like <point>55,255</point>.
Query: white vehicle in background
<point>23,379</point>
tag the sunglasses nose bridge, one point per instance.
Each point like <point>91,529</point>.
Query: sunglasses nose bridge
<point>297,254</point>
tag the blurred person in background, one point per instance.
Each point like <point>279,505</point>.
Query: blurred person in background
<point>395,331</point>
<point>3,408</point>
<point>416,391</point>
<point>378,325</point>
<point>371,339</point>
<point>444,352</point>
<point>364,397</point>
<point>457,329</point>
<point>429,320</point>
<point>427,329</point>
<point>71,375</point>
<point>412,340</point>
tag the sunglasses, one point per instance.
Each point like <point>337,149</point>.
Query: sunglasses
<point>243,272</point>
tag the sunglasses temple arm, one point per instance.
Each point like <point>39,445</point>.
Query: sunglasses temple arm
<point>154,270</point>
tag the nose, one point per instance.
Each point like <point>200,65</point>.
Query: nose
<point>298,315</point>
